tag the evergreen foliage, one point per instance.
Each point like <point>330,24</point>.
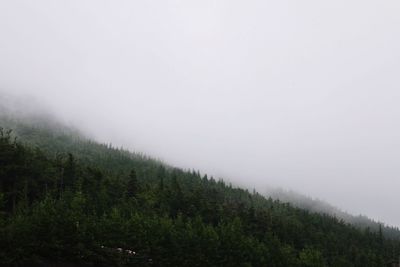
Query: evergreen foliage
<point>66,200</point>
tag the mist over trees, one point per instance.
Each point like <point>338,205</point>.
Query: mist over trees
<point>319,206</point>
<point>160,133</point>
<point>67,199</point>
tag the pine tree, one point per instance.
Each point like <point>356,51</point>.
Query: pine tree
<point>160,175</point>
<point>133,184</point>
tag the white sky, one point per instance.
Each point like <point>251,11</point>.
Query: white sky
<point>299,94</point>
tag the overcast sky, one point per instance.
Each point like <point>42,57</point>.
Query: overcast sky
<point>299,94</point>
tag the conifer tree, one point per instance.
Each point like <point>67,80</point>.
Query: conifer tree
<point>133,185</point>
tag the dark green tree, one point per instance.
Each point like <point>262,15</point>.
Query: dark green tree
<point>132,186</point>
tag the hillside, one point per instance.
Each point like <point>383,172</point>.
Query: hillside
<point>319,206</point>
<point>53,137</point>
<point>66,199</point>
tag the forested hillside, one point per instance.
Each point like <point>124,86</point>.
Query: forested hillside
<point>68,200</point>
<point>319,206</point>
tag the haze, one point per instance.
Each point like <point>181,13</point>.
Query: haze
<point>298,94</point>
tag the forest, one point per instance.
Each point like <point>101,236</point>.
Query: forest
<point>66,200</point>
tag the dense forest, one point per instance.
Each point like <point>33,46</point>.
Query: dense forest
<point>319,206</point>
<point>69,201</point>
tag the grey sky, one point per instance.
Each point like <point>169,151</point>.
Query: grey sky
<point>299,94</point>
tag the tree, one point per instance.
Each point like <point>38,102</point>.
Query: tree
<point>161,175</point>
<point>69,171</point>
<point>311,258</point>
<point>133,184</point>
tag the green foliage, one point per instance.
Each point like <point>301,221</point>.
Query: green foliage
<point>311,258</point>
<point>132,186</point>
<point>66,200</point>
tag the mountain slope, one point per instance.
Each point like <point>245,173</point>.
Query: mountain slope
<point>54,137</point>
<point>315,205</point>
<point>68,200</point>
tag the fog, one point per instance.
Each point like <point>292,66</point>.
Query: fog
<point>298,94</point>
